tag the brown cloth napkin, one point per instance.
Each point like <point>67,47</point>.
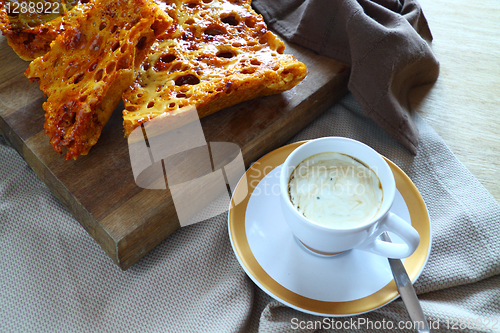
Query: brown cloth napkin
<point>384,41</point>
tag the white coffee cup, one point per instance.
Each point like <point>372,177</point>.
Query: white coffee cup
<point>329,240</point>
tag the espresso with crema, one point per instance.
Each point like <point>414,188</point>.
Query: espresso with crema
<point>335,190</point>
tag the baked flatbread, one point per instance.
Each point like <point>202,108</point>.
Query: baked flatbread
<point>216,54</point>
<point>90,65</point>
<point>162,58</point>
<point>30,30</point>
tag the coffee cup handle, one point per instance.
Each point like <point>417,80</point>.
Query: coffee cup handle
<point>400,227</point>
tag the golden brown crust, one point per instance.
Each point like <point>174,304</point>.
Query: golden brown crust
<point>218,53</point>
<point>169,56</point>
<point>30,34</point>
<point>89,66</point>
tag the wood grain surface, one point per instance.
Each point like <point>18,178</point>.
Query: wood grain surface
<point>463,106</point>
<point>99,189</point>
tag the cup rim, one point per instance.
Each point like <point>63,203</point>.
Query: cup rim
<point>389,193</point>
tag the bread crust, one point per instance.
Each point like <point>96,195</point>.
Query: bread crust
<point>216,55</point>
<point>161,57</point>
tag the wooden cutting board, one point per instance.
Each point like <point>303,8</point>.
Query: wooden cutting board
<point>99,189</point>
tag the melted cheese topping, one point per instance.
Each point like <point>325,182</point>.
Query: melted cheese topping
<point>30,14</point>
<point>30,31</point>
<point>167,55</point>
<point>217,53</point>
<point>90,65</point>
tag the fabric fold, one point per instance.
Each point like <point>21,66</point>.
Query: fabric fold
<point>385,42</point>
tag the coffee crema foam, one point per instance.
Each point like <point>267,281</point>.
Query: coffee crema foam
<point>335,190</point>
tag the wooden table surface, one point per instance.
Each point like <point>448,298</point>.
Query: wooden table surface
<point>463,106</point>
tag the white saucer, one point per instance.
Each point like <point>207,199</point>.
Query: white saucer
<point>352,283</point>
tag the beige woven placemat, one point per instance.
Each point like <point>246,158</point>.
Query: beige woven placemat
<point>55,278</point>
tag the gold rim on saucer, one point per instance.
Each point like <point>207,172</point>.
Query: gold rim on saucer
<point>413,264</point>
